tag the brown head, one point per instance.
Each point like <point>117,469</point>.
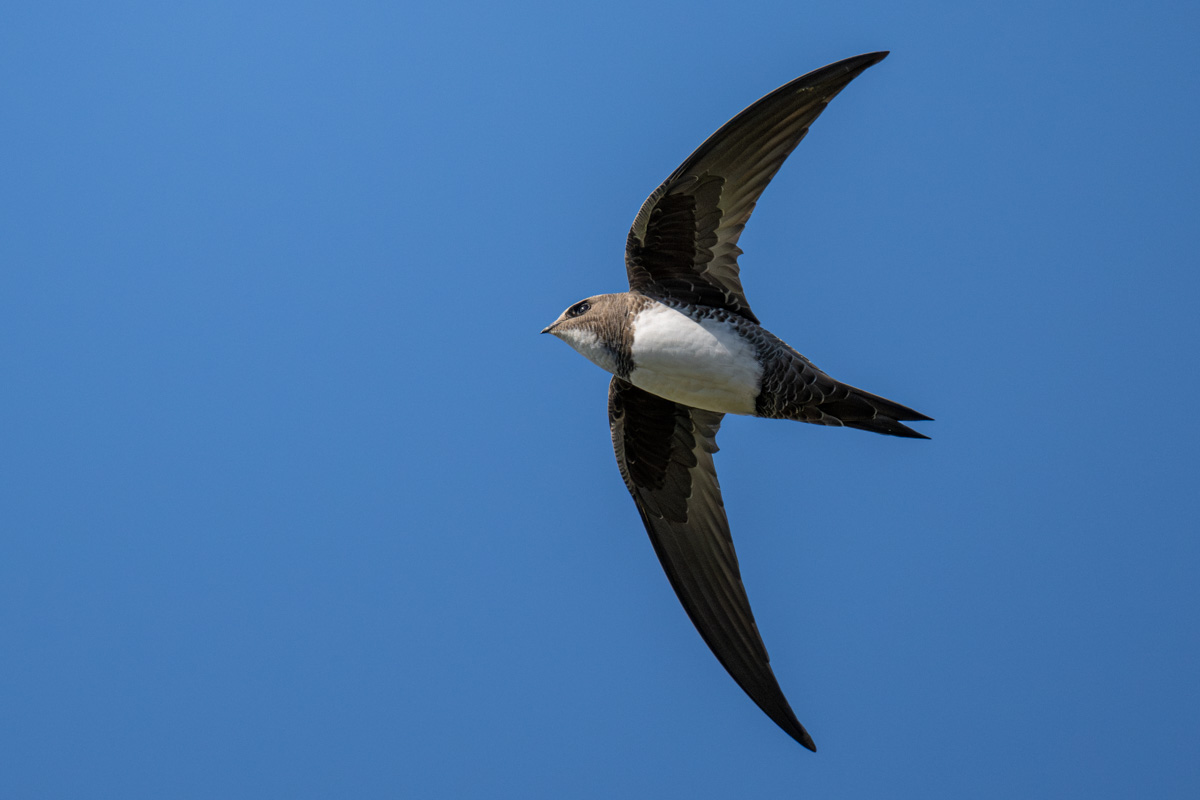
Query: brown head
<point>600,329</point>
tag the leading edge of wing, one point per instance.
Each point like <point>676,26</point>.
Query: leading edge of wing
<point>664,451</point>
<point>683,241</point>
<point>824,82</point>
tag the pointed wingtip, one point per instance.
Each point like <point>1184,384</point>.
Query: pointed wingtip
<point>840,73</point>
<point>868,59</point>
<point>785,718</point>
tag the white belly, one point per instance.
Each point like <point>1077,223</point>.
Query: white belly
<point>700,364</point>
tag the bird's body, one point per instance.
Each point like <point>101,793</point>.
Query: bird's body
<point>715,360</point>
<point>685,349</point>
<point>683,353</point>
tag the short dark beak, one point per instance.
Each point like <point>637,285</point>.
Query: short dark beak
<point>547,328</point>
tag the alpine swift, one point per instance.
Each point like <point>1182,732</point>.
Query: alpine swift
<point>685,349</point>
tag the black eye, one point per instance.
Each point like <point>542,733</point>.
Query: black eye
<point>579,308</point>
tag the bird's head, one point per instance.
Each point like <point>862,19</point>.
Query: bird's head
<point>595,327</point>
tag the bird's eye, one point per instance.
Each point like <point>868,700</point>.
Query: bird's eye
<point>579,308</point>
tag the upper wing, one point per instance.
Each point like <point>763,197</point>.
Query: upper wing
<point>664,451</point>
<point>683,243</point>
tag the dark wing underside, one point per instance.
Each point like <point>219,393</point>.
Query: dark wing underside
<point>683,243</point>
<point>665,453</point>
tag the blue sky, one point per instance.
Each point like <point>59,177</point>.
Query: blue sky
<point>297,503</point>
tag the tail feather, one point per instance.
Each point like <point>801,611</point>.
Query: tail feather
<point>870,412</point>
<point>885,425</point>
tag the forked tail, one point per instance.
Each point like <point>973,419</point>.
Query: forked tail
<point>855,408</point>
<point>804,393</point>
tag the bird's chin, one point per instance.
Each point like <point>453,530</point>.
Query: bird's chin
<point>588,345</point>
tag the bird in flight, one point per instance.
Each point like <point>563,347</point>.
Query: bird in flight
<point>685,349</point>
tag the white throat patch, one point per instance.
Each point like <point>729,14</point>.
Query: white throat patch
<point>588,345</point>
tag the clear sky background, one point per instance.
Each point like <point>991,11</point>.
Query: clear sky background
<point>297,503</point>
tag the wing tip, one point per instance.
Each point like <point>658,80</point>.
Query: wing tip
<point>785,718</point>
<point>857,64</point>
